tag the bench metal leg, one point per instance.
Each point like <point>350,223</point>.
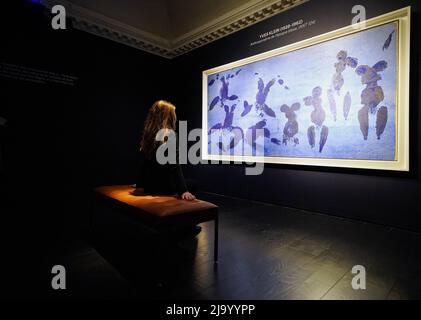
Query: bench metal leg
<point>215,241</point>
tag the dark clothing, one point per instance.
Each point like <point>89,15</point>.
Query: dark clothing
<point>160,179</point>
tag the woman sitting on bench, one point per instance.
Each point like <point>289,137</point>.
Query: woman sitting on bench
<point>153,177</point>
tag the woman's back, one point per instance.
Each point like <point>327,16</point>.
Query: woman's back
<point>156,178</point>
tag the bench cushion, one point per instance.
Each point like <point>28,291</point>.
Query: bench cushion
<point>157,207</point>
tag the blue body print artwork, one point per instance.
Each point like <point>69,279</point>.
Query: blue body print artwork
<point>333,100</point>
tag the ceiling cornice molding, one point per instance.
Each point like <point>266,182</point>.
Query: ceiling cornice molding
<point>253,12</point>
<point>87,20</point>
<point>231,22</point>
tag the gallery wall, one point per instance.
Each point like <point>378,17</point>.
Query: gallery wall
<point>387,198</point>
<point>61,140</point>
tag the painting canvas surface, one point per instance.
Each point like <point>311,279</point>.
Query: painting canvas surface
<point>333,100</point>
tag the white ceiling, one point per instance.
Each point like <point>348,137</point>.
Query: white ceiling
<point>169,27</point>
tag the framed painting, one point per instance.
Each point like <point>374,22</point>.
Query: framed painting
<point>340,99</point>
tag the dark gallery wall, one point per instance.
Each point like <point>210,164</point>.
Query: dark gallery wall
<point>85,134</point>
<point>60,140</point>
<point>382,197</point>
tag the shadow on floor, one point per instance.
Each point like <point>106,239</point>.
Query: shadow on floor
<point>266,252</point>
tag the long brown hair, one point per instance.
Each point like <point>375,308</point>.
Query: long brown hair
<point>160,116</point>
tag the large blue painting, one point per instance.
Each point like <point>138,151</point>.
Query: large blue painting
<point>333,100</point>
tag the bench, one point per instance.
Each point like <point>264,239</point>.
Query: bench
<point>160,212</point>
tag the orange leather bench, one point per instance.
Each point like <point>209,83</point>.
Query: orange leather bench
<point>160,212</point>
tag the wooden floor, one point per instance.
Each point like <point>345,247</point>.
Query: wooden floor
<point>266,252</point>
